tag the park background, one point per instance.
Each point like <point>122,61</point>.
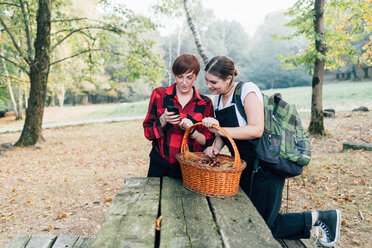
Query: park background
<point>106,60</point>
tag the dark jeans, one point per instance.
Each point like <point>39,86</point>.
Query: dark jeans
<point>266,196</point>
<point>159,167</point>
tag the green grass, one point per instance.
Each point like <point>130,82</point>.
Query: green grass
<point>333,95</point>
<point>118,110</point>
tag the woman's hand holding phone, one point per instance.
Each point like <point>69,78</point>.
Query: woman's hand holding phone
<point>172,117</point>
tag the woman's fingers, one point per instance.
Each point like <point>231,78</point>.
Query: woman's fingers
<point>208,122</point>
<point>209,152</point>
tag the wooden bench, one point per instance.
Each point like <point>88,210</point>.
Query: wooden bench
<point>188,220</point>
<point>49,241</point>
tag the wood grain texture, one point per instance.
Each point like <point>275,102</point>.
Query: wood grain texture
<point>65,241</point>
<point>187,219</point>
<point>41,241</point>
<point>130,221</point>
<point>19,242</point>
<point>240,224</point>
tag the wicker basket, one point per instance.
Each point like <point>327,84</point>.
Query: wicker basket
<point>206,180</point>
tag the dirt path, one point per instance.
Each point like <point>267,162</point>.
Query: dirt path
<point>66,184</point>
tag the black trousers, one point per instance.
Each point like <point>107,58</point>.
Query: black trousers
<point>159,167</point>
<point>267,192</point>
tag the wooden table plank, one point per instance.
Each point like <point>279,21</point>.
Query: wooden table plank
<point>130,221</point>
<point>72,241</point>
<point>83,242</point>
<point>19,241</point>
<point>41,241</point>
<point>240,224</point>
<point>187,220</point>
<point>65,241</point>
<point>309,243</point>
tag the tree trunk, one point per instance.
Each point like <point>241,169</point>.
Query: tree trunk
<point>170,63</point>
<point>39,71</point>
<point>10,87</point>
<point>179,40</point>
<point>51,101</point>
<point>365,69</point>
<point>19,105</point>
<point>316,123</point>
<point>195,33</point>
<point>354,74</point>
<point>85,100</point>
<point>26,99</point>
<point>348,75</point>
<point>61,96</point>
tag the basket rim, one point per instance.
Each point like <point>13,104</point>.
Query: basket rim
<point>185,147</point>
<point>184,162</point>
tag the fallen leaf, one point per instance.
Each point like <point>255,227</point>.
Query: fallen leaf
<point>344,223</point>
<point>355,241</point>
<point>61,215</point>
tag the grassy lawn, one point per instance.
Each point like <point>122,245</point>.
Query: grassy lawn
<point>333,94</point>
<point>77,171</point>
<point>337,95</point>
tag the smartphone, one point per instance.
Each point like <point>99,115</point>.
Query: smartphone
<point>173,109</point>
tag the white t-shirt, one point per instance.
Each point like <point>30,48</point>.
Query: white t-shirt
<point>247,88</point>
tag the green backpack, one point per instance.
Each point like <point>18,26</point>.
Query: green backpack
<point>284,146</point>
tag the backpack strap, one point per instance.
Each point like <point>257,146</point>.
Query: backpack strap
<point>237,99</point>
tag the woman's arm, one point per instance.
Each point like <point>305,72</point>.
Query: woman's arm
<point>205,137</point>
<point>153,124</point>
<point>255,118</point>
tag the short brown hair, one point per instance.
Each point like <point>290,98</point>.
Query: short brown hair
<point>186,63</point>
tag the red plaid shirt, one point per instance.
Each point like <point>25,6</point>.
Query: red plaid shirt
<point>167,140</point>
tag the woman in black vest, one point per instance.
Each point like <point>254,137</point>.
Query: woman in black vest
<point>265,188</point>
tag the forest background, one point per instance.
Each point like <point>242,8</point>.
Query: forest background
<point>103,67</point>
<point>102,54</point>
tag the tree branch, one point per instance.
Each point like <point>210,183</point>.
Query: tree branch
<point>14,78</point>
<point>12,4</point>
<point>95,50</point>
<point>13,40</point>
<point>14,63</point>
<point>27,30</point>
<point>70,20</point>
<point>113,29</point>
<point>77,54</point>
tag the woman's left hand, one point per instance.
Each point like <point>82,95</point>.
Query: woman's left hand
<point>185,124</point>
<point>208,122</point>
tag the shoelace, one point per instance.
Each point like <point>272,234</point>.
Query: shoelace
<point>325,232</point>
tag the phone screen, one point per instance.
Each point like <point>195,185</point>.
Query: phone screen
<point>173,109</point>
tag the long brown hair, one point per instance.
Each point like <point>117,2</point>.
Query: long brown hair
<point>222,67</point>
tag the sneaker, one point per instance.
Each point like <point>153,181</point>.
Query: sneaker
<point>329,224</point>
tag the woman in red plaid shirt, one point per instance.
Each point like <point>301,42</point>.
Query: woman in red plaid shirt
<point>165,128</point>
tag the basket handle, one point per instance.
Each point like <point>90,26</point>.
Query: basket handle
<point>185,147</point>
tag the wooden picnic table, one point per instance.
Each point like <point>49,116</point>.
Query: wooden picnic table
<point>188,220</point>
